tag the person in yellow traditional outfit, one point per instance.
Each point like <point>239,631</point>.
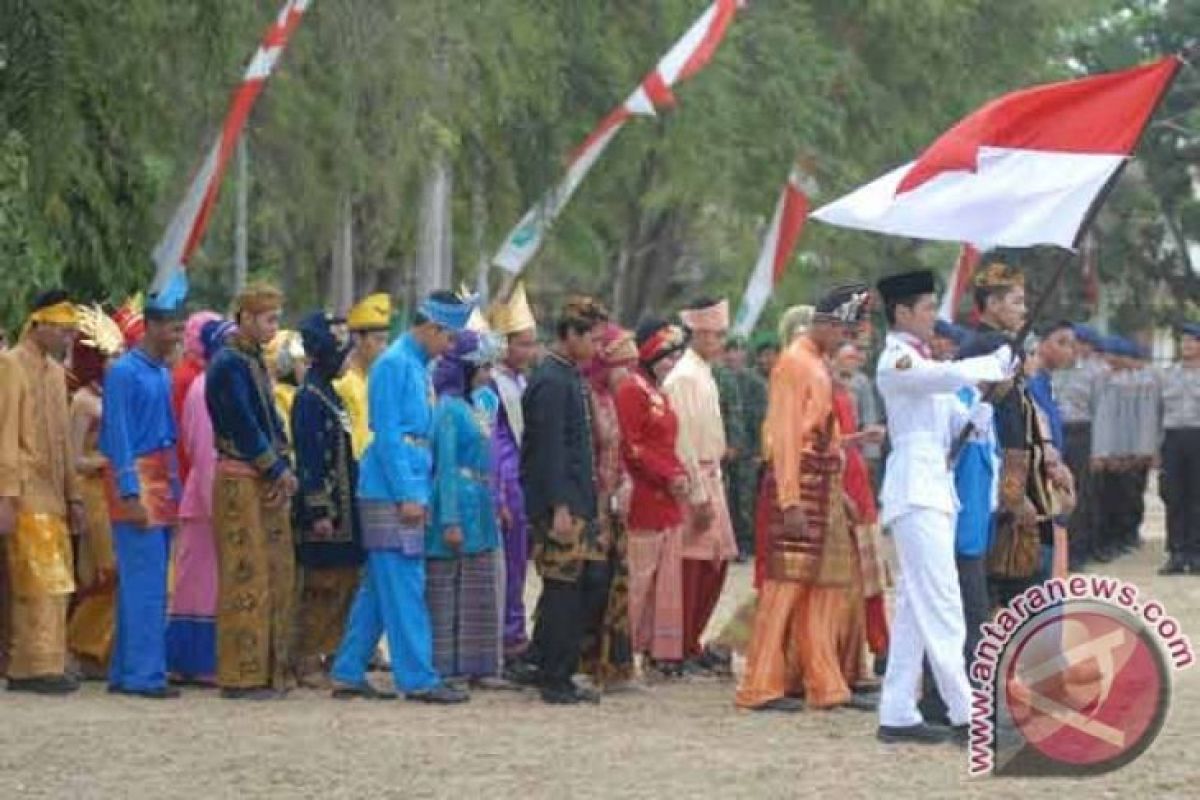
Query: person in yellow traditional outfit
<point>369,323</point>
<point>39,497</point>
<point>90,630</point>
<point>286,364</point>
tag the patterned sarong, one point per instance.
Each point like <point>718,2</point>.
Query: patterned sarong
<point>256,579</point>
<point>608,656</point>
<point>325,599</point>
<point>461,596</point>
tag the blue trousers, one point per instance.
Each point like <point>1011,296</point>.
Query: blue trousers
<point>139,651</point>
<point>390,599</point>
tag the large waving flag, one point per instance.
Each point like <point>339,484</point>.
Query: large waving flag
<point>187,226</point>
<point>791,212</point>
<point>1025,169</point>
<point>689,55</point>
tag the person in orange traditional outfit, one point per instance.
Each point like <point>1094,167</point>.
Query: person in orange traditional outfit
<point>649,433</point>
<point>809,547</point>
<point>39,497</point>
<point>708,541</point>
<point>90,630</point>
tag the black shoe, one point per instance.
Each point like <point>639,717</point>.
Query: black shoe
<point>1103,555</point>
<point>861,702</point>
<point>257,694</point>
<point>913,734</point>
<point>787,705</point>
<point>1174,566</point>
<point>522,673</point>
<point>441,695</point>
<point>569,696</point>
<point>45,684</point>
<point>960,735</point>
<point>157,693</point>
<point>364,690</point>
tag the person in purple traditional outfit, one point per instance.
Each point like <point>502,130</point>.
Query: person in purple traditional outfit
<point>513,321</point>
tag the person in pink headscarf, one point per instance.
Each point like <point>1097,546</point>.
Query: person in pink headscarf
<point>191,619</point>
<point>185,372</point>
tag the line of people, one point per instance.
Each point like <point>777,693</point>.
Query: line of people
<point>261,511</point>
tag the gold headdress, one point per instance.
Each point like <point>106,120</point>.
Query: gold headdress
<point>998,275</point>
<point>98,330</point>
<point>514,315</point>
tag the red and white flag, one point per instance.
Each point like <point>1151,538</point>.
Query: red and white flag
<point>187,226</point>
<point>791,212</point>
<point>960,281</point>
<point>689,55</point>
<point>1025,169</point>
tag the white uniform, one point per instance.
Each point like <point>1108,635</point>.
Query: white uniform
<point>919,505</point>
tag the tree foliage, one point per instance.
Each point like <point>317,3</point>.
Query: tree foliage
<point>106,108</point>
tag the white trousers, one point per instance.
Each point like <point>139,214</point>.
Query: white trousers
<point>928,621</point>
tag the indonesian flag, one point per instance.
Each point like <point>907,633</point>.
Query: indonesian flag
<point>791,212</point>
<point>187,226</point>
<point>1026,169</point>
<point>689,55</point>
<point>960,280</point>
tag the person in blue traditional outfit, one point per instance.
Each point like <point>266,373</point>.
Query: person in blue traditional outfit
<point>251,495</point>
<point>394,493</point>
<point>462,536</point>
<point>328,532</point>
<point>138,437</point>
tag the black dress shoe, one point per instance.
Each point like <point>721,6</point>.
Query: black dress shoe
<point>861,702</point>
<point>913,734</point>
<point>787,705</point>
<point>569,696</point>
<point>258,694</point>
<point>364,690</point>
<point>441,695</point>
<point>44,684</point>
<point>1174,566</point>
<point>960,735</point>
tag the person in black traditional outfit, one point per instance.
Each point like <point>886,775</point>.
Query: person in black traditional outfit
<point>328,532</point>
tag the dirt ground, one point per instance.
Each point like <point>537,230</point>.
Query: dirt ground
<point>681,740</point>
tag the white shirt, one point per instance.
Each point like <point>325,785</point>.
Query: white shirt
<point>923,417</point>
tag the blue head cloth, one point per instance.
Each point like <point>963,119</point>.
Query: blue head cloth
<point>453,370</point>
<point>1109,344</point>
<point>214,334</point>
<point>948,330</point>
<point>170,301</point>
<point>1087,334</point>
<point>326,351</point>
<point>449,315</point>
<point>1190,329</point>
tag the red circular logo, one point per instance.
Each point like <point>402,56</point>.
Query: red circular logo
<point>1086,687</point>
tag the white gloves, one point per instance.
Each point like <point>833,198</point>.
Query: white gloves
<point>1008,364</point>
<point>980,418</point>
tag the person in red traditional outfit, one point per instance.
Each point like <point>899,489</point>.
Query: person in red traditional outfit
<point>649,438</point>
<point>866,619</point>
<point>607,648</point>
<point>801,606</point>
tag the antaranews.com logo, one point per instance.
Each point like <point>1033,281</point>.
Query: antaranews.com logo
<point>1073,677</point>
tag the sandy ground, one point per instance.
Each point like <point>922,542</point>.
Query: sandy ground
<point>681,740</point>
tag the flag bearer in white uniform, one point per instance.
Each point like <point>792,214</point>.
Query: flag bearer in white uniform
<point>919,507</point>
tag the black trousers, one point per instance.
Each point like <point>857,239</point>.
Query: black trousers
<point>1179,485</point>
<point>1120,505</point>
<point>973,587</point>
<point>1081,528</point>
<point>566,611</point>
